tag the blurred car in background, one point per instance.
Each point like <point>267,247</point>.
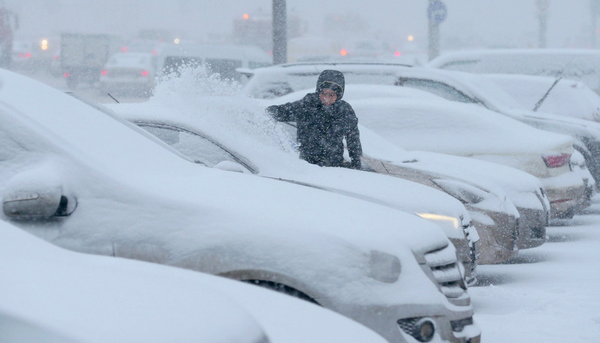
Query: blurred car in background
<point>129,74</point>
<point>22,55</point>
<point>93,183</point>
<point>87,298</point>
<point>216,59</point>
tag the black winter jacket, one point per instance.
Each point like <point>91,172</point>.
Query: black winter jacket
<point>321,130</point>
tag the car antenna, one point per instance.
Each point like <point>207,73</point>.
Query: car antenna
<point>539,103</point>
<point>112,97</point>
<point>559,76</point>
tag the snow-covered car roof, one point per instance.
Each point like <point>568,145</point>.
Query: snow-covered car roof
<point>579,64</point>
<point>274,81</point>
<point>99,299</point>
<point>563,97</point>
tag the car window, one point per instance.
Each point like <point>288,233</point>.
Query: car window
<point>174,64</point>
<point>437,88</point>
<point>225,68</point>
<point>195,147</point>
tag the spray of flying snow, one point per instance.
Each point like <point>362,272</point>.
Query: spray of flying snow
<point>218,103</point>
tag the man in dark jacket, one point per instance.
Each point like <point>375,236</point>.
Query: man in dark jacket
<point>324,121</point>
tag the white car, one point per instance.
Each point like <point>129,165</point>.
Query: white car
<point>477,89</point>
<point>89,182</point>
<point>131,74</point>
<point>87,298</point>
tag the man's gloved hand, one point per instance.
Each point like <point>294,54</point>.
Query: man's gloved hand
<point>355,164</point>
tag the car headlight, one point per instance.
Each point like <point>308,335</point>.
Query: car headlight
<point>467,194</point>
<point>451,225</point>
<point>384,267</point>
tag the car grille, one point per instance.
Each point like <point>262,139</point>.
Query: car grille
<point>445,271</point>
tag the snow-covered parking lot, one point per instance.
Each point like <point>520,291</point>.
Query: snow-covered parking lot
<point>548,294</point>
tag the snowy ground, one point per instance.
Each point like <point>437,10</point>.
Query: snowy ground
<point>548,294</point>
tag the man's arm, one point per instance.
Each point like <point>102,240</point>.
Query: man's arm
<point>285,112</point>
<point>353,138</point>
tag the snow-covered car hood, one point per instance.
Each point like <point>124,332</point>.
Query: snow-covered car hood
<point>71,293</point>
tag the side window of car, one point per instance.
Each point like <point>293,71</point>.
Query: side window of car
<point>195,147</point>
<point>437,88</point>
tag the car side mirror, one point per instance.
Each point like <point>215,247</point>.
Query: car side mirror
<point>26,205</point>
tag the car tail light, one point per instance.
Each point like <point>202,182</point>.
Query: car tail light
<point>145,73</point>
<point>556,161</point>
<point>67,75</point>
<point>28,54</point>
<point>104,72</point>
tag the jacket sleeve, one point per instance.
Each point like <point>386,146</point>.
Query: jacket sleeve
<point>353,136</point>
<point>285,112</point>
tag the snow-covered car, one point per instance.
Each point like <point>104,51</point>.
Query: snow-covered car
<point>87,298</point>
<point>131,74</point>
<point>576,64</point>
<point>530,198</point>
<point>477,89</point>
<point>93,183</point>
<point>454,86</point>
<point>233,133</point>
<point>525,191</point>
<point>458,129</point>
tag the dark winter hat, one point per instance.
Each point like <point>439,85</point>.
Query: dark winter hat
<point>331,79</point>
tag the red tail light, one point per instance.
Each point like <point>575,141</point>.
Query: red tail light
<point>67,75</point>
<point>28,55</point>
<point>105,72</point>
<point>555,161</point>
<point>145,73</point>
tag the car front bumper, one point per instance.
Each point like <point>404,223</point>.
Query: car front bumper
<point>532,227</point>
<point>497,235</point>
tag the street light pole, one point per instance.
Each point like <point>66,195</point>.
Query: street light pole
<point>436,13</point>
<point>594,11</point>
<point>279,32</point>
<point>542,6</point>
